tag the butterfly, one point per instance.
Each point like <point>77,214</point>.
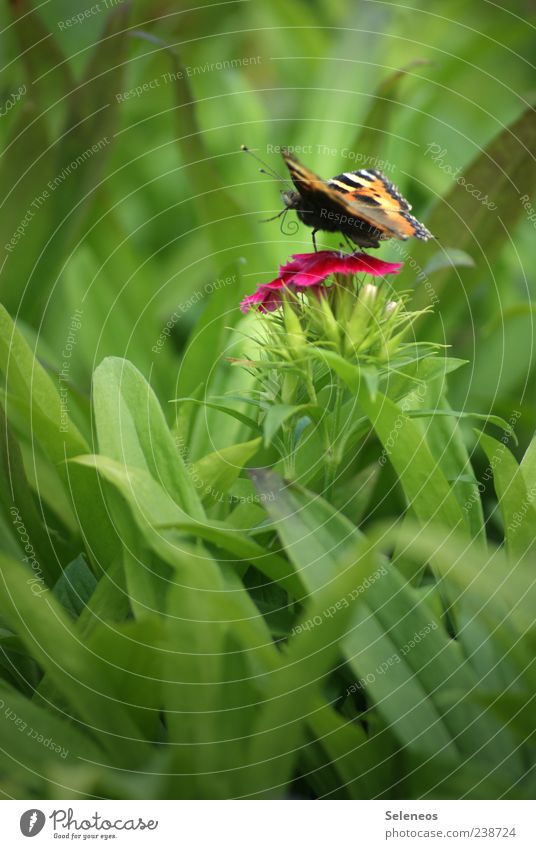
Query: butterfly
<point>362,205</point>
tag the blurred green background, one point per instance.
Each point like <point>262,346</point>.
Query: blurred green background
<point>140,228</point>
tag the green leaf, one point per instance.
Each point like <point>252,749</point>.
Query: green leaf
<point>528,467</point>
<point>216,472</point>
<point>146,577</point>
<point>221,408</point>
<point>276,417</point>
<point>18,503</point>
<point>501,319</point>
<point>329,539</point>
<point>93,114</point>
<point>464,220</point>
<point>46,66</point>
<point>515,709</point>
<point>349,373</point>
<point>409,666</point>
<point>57,210</point>
<point>420,696</point>
<point>33,739</point>
<point>488,418</point>
<point>131,428</point>
<point>416,675</point>
<point>100,536</point>
<point>75,586</point>
<point>29,383</point>
<point>292,689</point>
<point>445,440</point>
<point>375,126</point>
<point>448,258</point>
<point>156,513</point>
<point>108,603</point>
<point>197,628</point>
<point>48,634</point>
<point>353,496</point>
<point>491,604</point>
<point>132,651</point>
<point>23,231</point>
<point>222,655</point>
<point>216,206</point>
<point>424,484</point>
<point>211,333</point>
<point>409,377</point>
<point>28,159</point>
<point>353,754</point>
<point>517,509</point>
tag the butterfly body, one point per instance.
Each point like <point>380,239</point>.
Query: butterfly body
<point>362,205</point>
<point>322,214</point>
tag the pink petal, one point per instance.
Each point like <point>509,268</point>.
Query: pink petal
<point>265,299</point>
<point>271,302</point>
<point>310,269</point>
<point>278,283</point>
<point>367,264</point>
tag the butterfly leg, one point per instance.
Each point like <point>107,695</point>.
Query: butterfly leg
<point>313,236</point>
<point>349,243</point>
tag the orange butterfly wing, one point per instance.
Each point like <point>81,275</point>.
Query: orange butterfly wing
<point>364,194</point>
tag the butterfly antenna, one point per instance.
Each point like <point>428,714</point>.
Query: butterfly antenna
<point>266,169</point>
<point>273,218</point>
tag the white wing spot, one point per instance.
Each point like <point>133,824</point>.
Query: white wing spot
<point>353,178</point>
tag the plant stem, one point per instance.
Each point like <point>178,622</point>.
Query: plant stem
<point>333,452</point>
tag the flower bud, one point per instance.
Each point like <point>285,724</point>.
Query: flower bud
<point>295,336</point>
<point>330,324</point>
<point>363,312</point>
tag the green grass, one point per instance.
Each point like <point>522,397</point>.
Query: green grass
<point>215,581</point>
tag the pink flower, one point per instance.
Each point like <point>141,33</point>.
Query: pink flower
<point>310,270</point>
<point>265,299</point>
